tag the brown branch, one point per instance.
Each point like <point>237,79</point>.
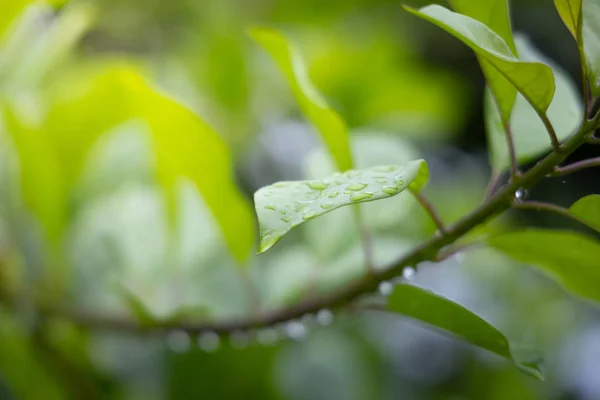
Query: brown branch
<point>512,152</point>
<point>426,251</point>
<point>575,167</point>
<point>430,210</point>
<point>553,208</point>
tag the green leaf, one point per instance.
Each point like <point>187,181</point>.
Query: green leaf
<point>591,41</point>
<point>570,13</point>
<point>587,209</point>
<point>10,11</point>
<point>325,119</point>
<point>89,104</point>
<point>534,80</point>
<point>285,205</point>
<point>529,133</point>
<point>570,258</point>
<point>439,312</point>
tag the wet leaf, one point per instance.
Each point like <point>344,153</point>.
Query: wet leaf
<point>285,205</point>
<point>568,257</point>
<point>529,133</point>
<point>588,210</point>
<point>533,80</point>
<point>330,125</point>
<point>442,313</point>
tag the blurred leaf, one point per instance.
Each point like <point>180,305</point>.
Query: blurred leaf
<point>285,205</point>
<point>570,13</point>
<point>326,120</point>
<point>591,41</point>
<point>534,80</point>
<point>11,9</point>
<point>135,305</point>
<point>88,106</point>
<point>529,133</point>
<point>588,210</point>
<point>42,181</point>
<point>570,258</point>
<point>495,15</point>
<point>442,313</point>
<point>20,365</point>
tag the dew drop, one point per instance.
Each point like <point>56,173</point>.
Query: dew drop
<point>324,317</point>
<point>301,205</point>
<point>208,341</point>
<point>391,190</point>
<point>385,168</point>
<point>282,212</point>
<point>361,196</point>
<point>333,194</point>
<point>352,174</point>
<point>408,273</point>
<point>328,205</point>
<point>317,185</point>
<point>178,341</point>
<point>239,339</point>
<point>381,180</point>
<point>386,288</point>
<point>265,233</point>
<point>309,215</point>
<point>356,186</point>
<point>271,207</point>
<point>267,336</point>
<point>286,219</point>
<point>295,330</point>
<point>279,185</point>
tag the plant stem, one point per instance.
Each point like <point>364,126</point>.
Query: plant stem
<point>426,251</point>
<point>430,210</point>
<point>512,152</point>
<point>551,132</point>
<point>491,187</point>
<point>575,167</point>
<point>553,208</point>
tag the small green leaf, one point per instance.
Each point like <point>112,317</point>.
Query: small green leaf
<point>529,133</point>
<point>570,258</point>
<point>439,312</point>
<point>591,41</point>
<point>326,120</point>
<point>285,205</point>
<point>10,13</point>
<point>570,13</point>
<point>533,80</point>
<point>587,209</point>
<point>139,310</point>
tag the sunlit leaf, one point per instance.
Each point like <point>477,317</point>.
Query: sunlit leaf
<point>326,120</point>
<point>570,258</point>
<point>10,11</point>
<point>534,80</point>
<point>441,313</point>
<point>89,105</point>
<point>570,13</point>
<point>591,41</point>
<point>285,205</point>
<point>529,133</point>
<point>587,209</point>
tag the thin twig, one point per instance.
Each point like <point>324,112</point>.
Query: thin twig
<point>491,187</point>
<point>426,251</point>
<point>551,132</point>
<point>553,208</point>
<point>575,167</point>
<point>430,210</point>
<point>593,140</point>
<point>512,152</point>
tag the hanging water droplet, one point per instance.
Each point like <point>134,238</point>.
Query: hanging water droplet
<point>328,205</point>
<point>408,273</point>
<point>333,194</point>
<point>317,185</point>
<point>520,195</point>
<point>309,215</point>
<point>391,190</point>
<point>324,317</point>
<point>355,186</point>
<point>239,339</point>
<point>271,207</point>
<point>178,341</point>
<point>208,341</point>
<point>267,336</point>
<point>386,288</point>
<point>361,196</point>
<point>295,330</point>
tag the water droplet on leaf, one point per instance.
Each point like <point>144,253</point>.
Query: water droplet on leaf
<point>361,196</point>
<point>385,168</point>
<point>391,190</point>
<point>333,194</point>
<point>286,219</point>
<point>381,180</point>
<point>356,186</point>
<point>317,185</point>
<point>271,207</point>
<point>327,206</point>
<point>308,215</point>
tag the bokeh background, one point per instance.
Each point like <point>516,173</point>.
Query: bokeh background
<point>406,89</point>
